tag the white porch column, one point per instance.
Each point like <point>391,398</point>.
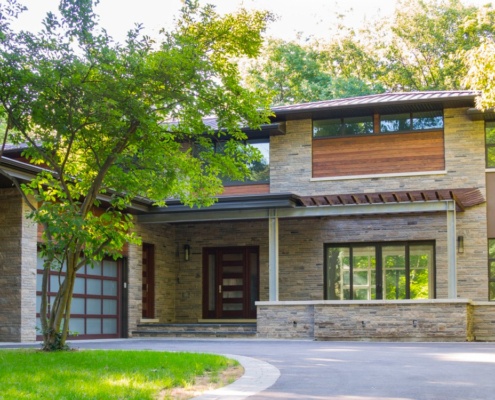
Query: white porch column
<point>452,251</point>
<point>273,255</point>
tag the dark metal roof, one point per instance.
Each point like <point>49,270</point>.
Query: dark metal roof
<point>381,100</point>
<point>463,198</point>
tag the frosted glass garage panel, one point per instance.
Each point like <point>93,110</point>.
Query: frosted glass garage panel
<point>38,304</point>
<point>77,325</point>
<point>93,306</point>
<point>110,307</point>
<point>93,286</point>
<point>93,269</point>
<point>109,326</point>
<point>79,286</point>
<point>110,269</point>
<point>54,282</point>
<point>77,306</point>
<point>93,326</point>
<point>110,288</point>
<point>39,281</point>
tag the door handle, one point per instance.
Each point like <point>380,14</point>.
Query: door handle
<point>219,288</point>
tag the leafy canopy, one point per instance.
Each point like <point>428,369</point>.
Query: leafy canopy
<point>112,122</point>
<point>97,113</point>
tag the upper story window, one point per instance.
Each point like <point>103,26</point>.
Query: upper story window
<point>375,124</point>
<point>417,121</point>
<point>259,170</point>
<point>336,127</point>
<point>490,143</point>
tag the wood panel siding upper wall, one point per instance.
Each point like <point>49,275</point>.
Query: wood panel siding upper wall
<point>259,188</point>
<point>379,154</point>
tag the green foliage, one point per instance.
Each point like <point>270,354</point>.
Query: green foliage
<point>421,48</point>
<point>294,73</point>
<point>28,374</point>
<point>94,113</point>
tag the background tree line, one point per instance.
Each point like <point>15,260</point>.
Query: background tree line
<point>426,45</point>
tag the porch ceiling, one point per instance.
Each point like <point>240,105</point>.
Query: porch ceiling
<point>292,206</point>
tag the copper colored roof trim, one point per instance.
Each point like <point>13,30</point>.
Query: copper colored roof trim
<point>463,198</point>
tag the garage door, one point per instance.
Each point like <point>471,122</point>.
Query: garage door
<point>96,304</point>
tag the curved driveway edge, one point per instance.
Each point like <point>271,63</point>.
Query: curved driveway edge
<point>258,376</point>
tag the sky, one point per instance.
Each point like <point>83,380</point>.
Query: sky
<point>296,20</point>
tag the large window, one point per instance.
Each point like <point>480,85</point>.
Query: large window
<point>259,170</point>
<point>391,271</point>
<point>491,268</point>
<point>490,144</point>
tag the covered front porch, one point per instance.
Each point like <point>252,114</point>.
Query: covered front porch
<point>285,236</point>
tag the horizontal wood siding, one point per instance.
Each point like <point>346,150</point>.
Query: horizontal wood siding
<point>246,189</point>
<point>378,154</point>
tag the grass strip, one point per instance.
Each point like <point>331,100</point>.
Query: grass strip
<point>101,374</point>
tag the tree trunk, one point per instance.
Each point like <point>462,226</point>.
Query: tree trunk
<point>57,329</point>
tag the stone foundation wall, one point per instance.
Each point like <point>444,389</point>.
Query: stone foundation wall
<point>484,321</point>
<point>421,320</point>
<point>286,322</point>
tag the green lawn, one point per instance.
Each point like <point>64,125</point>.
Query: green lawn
<point>32,374</point>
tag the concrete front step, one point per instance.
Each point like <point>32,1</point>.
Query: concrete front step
<point>230,330</point>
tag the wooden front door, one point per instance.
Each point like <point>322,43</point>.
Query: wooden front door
<point>230,282</point>
<point>148,281</point>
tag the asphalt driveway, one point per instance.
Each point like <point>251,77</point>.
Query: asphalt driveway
<point>350,370</point>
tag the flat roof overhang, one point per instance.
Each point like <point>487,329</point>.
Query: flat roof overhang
<point>292,206</point>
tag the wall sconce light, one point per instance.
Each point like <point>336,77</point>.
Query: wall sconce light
<point>187,252</point>
<point>460,244</point>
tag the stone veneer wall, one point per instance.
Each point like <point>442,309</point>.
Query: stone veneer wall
<point>301,252</point>
<point>484,321</point>
<point>17,270</point>
<point>163,238</point>
<point>426,320</point>
<point>219,234</point>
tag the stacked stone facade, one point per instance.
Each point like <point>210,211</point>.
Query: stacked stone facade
<point>401,320</point>
<point>17,269</point>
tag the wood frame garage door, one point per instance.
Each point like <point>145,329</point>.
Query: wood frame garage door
<point>97,302</point>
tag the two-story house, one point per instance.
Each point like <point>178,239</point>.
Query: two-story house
<point>374,222</point>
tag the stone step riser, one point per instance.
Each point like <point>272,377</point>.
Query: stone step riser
<point>196,330</point>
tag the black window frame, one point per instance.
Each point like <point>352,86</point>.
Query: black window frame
<point>343,123</point>
<point>379,265</point>
<point>489,146</point>
<point>491,277</point>
<point>411,127</point>
<point>377,125</point>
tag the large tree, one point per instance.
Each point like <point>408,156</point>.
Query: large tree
<point>480,60</point>
<point>420,48</point>
<point>112,121</point>
<point>296,73</point>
